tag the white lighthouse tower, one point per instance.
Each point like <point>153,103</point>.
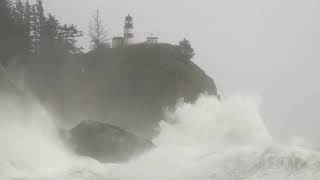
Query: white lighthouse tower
<point>128,31</point>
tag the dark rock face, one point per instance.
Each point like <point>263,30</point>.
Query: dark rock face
<point>126,87</point>
<point>105,142</point>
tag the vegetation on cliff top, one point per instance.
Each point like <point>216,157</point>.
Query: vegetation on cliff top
<point>128,87</point>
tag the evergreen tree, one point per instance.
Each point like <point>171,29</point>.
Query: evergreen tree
<point>49,34</point>
<point>13,31</point>
<point>68,38</point>
<point>28,27</point>
<point>186,49</point>
<point>26,30</point>
<point>41,39</point>
<point>5,30</point>
<point>35,31</point>
<point>18,12</point>
<point>40,12</point>
<point>19,37</point>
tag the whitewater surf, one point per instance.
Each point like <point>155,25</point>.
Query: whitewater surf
<point>211,139</point>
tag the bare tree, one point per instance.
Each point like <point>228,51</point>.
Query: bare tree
<point>98,33</point>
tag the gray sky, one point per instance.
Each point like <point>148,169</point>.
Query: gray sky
<point>270,47</point>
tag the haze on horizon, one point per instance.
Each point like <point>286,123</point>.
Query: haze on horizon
<point>269,48</point>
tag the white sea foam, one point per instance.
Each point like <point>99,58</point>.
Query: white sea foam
<point>211,139</point>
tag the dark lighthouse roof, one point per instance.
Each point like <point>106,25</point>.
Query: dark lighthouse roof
<point>129,18</point>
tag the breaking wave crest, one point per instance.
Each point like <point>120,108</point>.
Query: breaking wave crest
<point>210,139</point>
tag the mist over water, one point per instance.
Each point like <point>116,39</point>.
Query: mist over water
<point>30,145</point>
<point>211,139</point>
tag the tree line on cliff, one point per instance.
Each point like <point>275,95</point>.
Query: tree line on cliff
<point>26,30</point>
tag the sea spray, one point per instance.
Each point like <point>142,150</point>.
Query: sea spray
<point>210,139</point>
<point>195,131</point>
<point>213,123</point>
<point>30,144</point>
<point>221,140</point>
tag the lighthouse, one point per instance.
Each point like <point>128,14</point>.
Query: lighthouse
<point>128,31</point>
<point>128,38</point>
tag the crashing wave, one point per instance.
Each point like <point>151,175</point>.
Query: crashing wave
<point>208,140</point>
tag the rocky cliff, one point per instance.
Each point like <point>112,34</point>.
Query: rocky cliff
<point>126,87</point>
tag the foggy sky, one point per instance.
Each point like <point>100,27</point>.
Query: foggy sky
<point>269,47</point>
